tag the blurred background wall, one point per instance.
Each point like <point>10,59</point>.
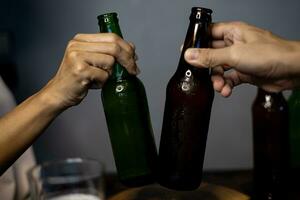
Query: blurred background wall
<point>42,30</point>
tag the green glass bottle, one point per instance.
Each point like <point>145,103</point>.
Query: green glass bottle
<point>128,120</point>
<point>294,123</point>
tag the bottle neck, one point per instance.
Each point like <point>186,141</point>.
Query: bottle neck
<point>197,37</point>
<point>273,94</point>
<point>263,96</point>
<point>112,26</point>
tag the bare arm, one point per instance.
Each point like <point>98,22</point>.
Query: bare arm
<point>20,127</point>
<point>87,64</point>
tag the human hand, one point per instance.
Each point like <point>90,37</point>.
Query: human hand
<point>246,54</point>
<point>87,63</point>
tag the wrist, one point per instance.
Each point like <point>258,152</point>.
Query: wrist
<point>50,99</point>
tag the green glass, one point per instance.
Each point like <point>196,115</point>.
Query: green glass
<point>128,119</point>
<point>294,123</point>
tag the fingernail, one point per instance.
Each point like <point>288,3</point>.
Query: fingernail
<point>137,70</point>
<point>191,54</point>
<point>136,57</point>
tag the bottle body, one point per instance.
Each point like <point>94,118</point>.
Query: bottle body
<point>189,97</point>
<point>128,120</point>
<point>271,145</point>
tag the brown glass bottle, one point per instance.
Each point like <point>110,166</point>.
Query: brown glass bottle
<point>189,98</point>
<point>271,145</point>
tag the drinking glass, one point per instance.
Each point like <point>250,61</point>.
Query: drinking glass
<point>69,179</point>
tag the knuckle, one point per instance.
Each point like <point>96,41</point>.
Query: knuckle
<point>107,62</point>
<point>234,56</point>
<point>132,45</point>
<point>114,38</point>
<point>115,48</point>
<point>207,58</point>
<point>110,61</point>
<point>74,55</point>
<point>78,35</point>
<point>71,44</point>
<point>78,69</point>
<point>131,51</point>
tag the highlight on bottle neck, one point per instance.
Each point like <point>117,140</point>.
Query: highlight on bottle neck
<point>109,23</point>
<point>108,18</point>
<point>201,14</point>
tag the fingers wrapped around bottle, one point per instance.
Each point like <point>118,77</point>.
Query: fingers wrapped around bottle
<point>93,56</point>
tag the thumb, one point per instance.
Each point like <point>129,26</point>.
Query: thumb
<point>209,57</point>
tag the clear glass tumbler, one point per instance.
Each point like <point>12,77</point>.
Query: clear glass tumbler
<point>69,179</point>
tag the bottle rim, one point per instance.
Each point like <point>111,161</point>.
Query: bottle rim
<point>202,9</point>
<point>107,15</point>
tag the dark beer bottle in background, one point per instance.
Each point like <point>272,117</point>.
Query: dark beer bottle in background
<point>271,145</point>
<point>189,98</point>
<point>128,120</point>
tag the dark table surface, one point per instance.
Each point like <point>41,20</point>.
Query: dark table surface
<point>239,180</point>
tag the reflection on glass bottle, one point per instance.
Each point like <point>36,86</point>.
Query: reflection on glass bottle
<point>271,145</point>
<point>128,120</point>
<point>189,98</point>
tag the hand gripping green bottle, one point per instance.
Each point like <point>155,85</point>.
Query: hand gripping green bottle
<point>128,120</point>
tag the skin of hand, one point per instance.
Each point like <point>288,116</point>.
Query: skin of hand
<point>242,53</point>
<point>87,63</point>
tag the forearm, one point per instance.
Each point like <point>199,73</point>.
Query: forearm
<point>20,127</point>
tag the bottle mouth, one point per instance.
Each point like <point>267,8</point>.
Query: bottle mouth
<point>201,9</point>
<point>107,16</point>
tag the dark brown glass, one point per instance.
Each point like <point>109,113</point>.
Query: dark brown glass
<point>189,98</point>
<point>271,145</point>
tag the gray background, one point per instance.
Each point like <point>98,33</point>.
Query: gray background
<point>157,27</point>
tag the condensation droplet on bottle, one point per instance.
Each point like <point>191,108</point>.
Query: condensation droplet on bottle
<point>185,86</point>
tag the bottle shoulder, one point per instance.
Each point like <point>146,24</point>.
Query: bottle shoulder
<point>130,80</point>
<point>270,102</point>
<point>123,88</point>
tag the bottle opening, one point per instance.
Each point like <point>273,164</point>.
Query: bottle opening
<point>108,17</point>
<point>201,10</point>
<point>201,14</point>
